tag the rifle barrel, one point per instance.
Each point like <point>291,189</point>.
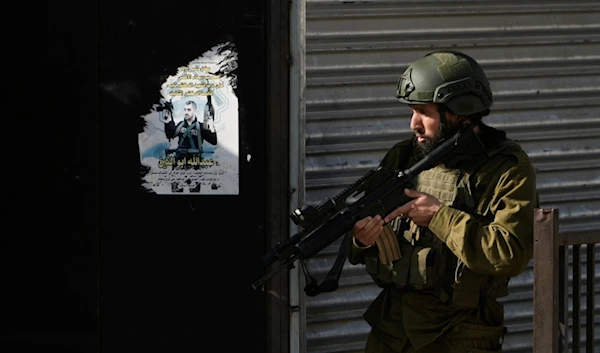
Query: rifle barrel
<point>289,263</point>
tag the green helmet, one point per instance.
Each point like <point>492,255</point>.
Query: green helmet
<point>446,77</point>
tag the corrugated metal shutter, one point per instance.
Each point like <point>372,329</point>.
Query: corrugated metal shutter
<point>542,59</point>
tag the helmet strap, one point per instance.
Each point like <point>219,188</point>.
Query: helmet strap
<point>442,110</point>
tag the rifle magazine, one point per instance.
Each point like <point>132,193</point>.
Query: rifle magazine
<point>388,246</point>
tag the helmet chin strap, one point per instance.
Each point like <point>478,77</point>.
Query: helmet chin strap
<point>442,110</point>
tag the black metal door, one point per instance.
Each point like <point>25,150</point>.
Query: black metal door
<point>92,261</point>
<point>175,270</point>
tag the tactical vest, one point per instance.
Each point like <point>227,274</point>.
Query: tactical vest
<point>193,149</point>
<point>425,262</point>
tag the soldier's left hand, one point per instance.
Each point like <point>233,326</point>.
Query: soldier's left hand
<point>420,210</point>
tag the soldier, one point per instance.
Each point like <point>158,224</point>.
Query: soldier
<point>445,257</point>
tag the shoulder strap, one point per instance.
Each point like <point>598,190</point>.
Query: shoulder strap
<point>178,128</point>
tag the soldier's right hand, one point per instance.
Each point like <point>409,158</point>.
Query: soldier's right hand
<point>367,230</point>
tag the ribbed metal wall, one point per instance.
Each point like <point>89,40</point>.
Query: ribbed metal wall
<point>543,62</point>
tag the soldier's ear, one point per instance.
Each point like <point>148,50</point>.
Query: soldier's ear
<point>462,120</point>
<point>451,117</point>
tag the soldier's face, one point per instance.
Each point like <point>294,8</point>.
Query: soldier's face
<point>425,122</point>
<point>427,126</point>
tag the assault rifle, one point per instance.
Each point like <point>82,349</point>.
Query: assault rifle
<point>334,217</point>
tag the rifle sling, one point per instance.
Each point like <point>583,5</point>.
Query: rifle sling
<point>330,283</point>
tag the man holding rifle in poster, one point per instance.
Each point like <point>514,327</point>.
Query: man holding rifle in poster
<point>191,134</point>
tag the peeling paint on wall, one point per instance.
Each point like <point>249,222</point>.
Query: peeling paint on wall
<point>191,139</point>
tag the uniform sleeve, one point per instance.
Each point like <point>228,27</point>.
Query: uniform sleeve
<point>500,245</point>
<point>170,129</point>
<point>356,253</point>
<point>209,136</point>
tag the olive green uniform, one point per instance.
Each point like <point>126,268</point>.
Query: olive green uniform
<point>443,288</point>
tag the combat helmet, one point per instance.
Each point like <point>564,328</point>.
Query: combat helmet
<point>446,77</point>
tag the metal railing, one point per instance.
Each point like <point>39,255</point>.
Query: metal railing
<point>551,299</point>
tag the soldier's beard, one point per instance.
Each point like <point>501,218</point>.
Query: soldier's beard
<point>424,148</point>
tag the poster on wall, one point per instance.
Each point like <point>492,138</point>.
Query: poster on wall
<point>190,141</point>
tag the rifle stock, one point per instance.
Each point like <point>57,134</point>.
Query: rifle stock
<point>335,217</point>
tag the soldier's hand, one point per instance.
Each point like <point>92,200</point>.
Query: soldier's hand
<point>367,230</point>
<point>420,210</point>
